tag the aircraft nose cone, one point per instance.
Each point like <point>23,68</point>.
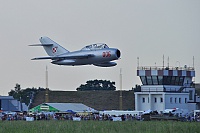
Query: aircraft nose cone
<point>118,53</point>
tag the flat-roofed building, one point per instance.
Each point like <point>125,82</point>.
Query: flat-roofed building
<point>166,88</point>
<point>8,103</point>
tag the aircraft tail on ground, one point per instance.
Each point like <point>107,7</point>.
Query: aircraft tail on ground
<point>51,47</point>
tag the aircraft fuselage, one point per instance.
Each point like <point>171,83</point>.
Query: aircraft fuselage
<point>98,54</point>
<point>102,55</point>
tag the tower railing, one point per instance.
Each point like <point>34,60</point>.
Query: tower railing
<point>165,68</point>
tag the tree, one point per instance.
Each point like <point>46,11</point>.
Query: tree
<point>23,95</point>
<point>97,85</point>
<point>17,88</point>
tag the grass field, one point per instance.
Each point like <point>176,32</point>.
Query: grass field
<point>99,127</point>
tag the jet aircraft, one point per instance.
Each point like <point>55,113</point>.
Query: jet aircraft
<point>98,54</point>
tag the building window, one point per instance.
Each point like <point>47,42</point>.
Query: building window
<point>175,100</point>
<point>170,99</point>
<point>143,79</point>
<point>181,81</point>
<point>143,100</point>
<point>190,94</point>
<point>177,80</point>
<point>179,100</point>
<point>161,99</point>
<point>173,80</point>
<point>185,100</point>
<point>160,80</point>
<point>155,80</point>
<point>149,80</point>
<point>155,99</point>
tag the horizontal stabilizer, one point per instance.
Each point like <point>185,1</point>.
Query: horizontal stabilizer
<point>43,58</point>
<point>41,45</point>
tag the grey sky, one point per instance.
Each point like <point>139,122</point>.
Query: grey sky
<point>139,28</point>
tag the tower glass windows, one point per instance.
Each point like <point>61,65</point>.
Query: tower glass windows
<point>162,80</point>
<point>181,81</point>
<point>155,80</point>
<point>149,80</point>
<point>173,80</point>
<point>143,79</point>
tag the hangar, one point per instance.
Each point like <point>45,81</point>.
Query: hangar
<point>8,103</point>
<point>62,107</point>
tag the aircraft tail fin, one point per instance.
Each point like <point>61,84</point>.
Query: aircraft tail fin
<point>52,48</point>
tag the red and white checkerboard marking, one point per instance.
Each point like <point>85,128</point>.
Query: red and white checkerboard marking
<point>54,49</point>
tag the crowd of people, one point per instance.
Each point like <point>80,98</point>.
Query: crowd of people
<point>14,116</point>
<point>66,116</point>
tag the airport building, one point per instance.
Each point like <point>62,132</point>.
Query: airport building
<point>8,103</point>
<point>166,88</point>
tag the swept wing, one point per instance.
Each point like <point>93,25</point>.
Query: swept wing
<point>65,57</point>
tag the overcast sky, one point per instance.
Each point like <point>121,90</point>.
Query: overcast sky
<point>147,29</point>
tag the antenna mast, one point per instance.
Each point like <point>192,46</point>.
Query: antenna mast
<point>120,97</point>
<point>163,61</point>
<point>47,90</point>
<point>193,62</point>
<point>168,61</point>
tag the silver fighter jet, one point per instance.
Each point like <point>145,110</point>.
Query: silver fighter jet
<point>97,54</point>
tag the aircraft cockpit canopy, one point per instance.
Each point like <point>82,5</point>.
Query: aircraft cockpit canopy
<point>96,46</point>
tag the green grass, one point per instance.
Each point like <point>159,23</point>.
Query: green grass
<point>99,127</point>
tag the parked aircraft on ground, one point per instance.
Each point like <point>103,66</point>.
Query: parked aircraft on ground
<point>98,54</point>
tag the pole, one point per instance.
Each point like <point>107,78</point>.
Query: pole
<point>163,61</point>
<point>193,62</point>
<point>120,97</point>
<point>168,62</point>
<point>47,91</point>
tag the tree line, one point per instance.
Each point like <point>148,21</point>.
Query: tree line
<point>97,85</point>
<point>24,95</point>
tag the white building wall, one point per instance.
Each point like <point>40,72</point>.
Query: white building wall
<point>192,91</point>
<point>157,102</point>
<point>145,101</point>
<point>192,106</point>
<point>162,100</point>
<point>176,100</point>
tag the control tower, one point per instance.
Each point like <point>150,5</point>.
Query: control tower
<point>166,88</point>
